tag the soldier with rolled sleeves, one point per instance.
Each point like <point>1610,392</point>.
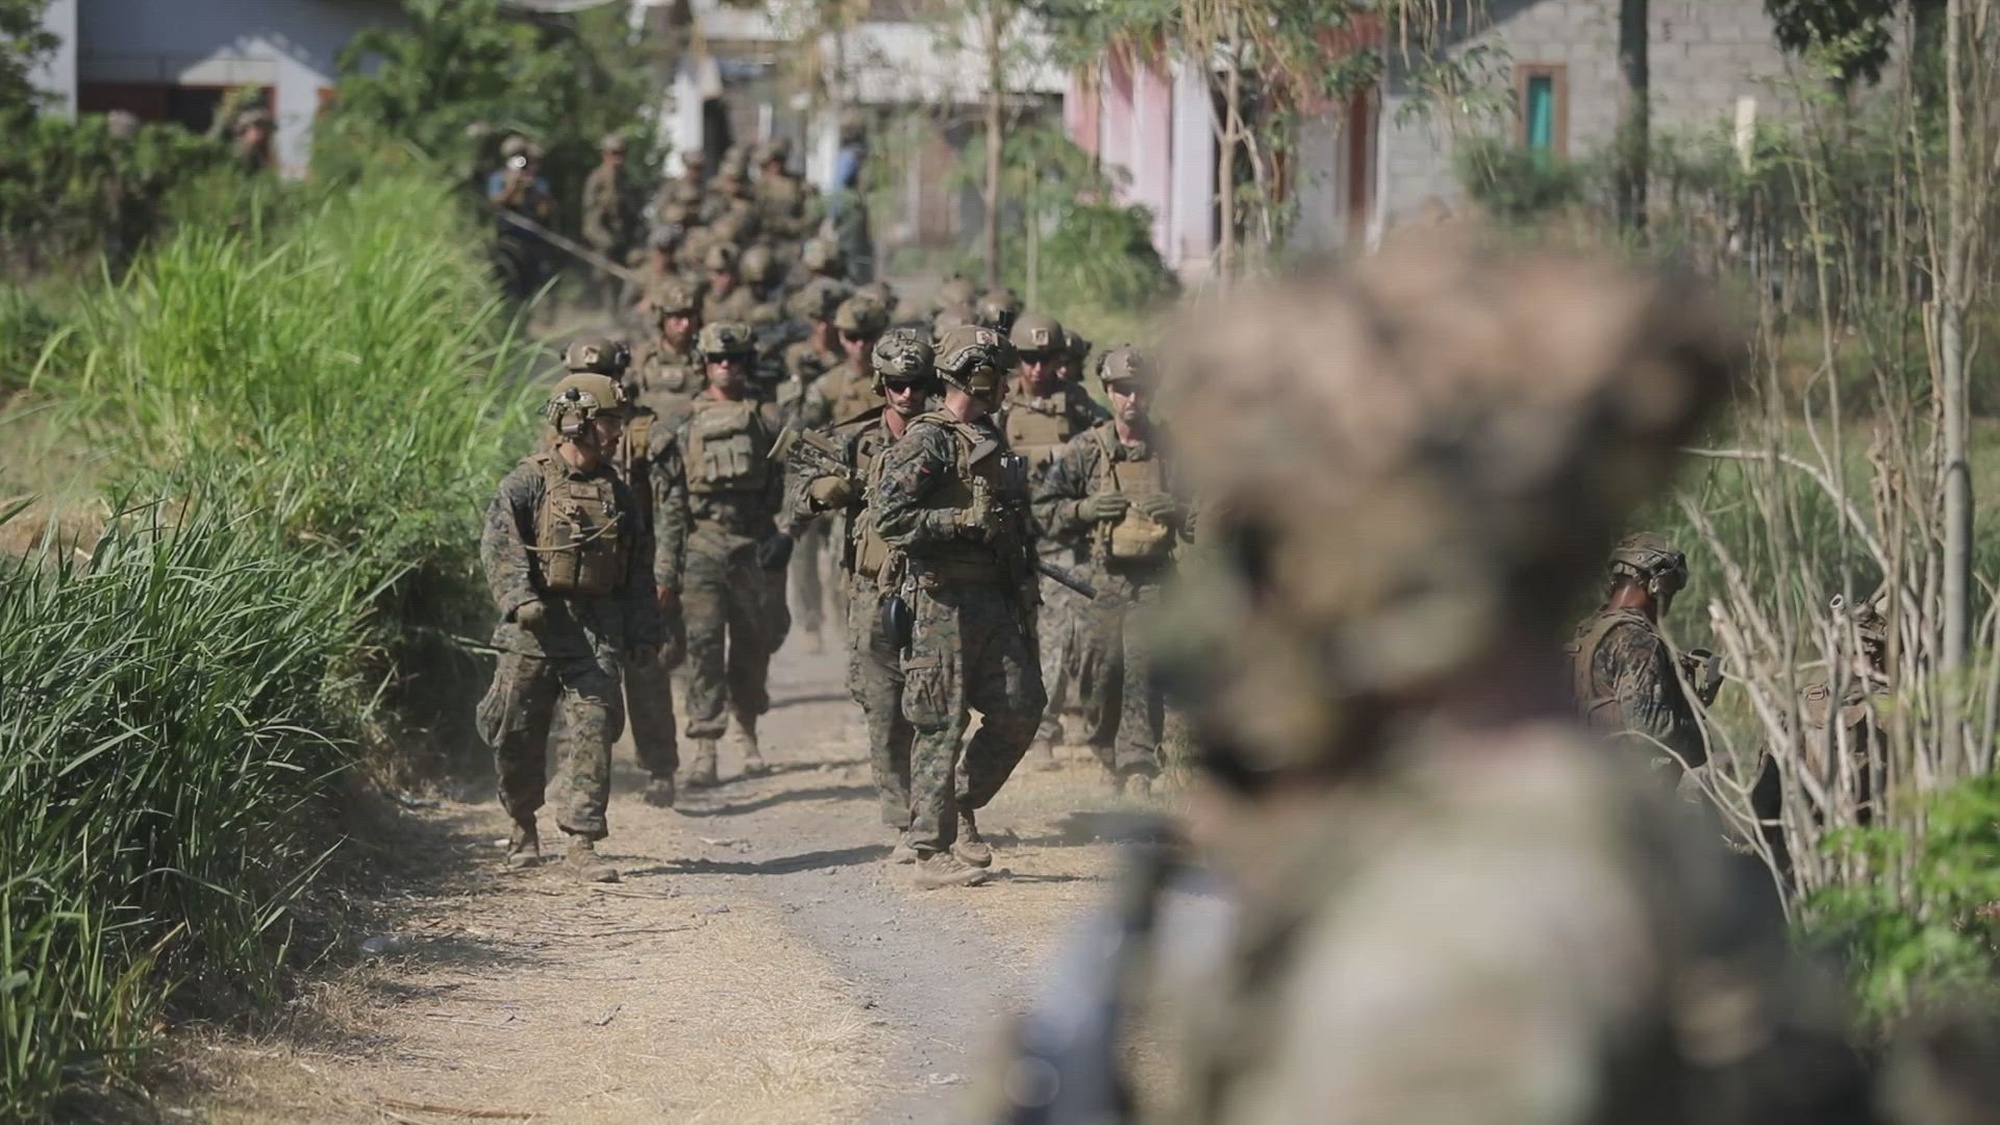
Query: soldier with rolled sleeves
<point>568,556</point>
<point>1041,413</point>
<point>724,556</point>
<point>1111,488</point>
<point>951,502</point>
<point>610,219</point>
<point>906,375</point>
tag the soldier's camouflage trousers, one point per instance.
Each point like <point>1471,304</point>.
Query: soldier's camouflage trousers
<point>1059,625</point>
<point>649,705</point>
<point>736,618</point>
<point>970,648</point>
<point>808,592</point>
<point>514,720</point>
<point>875,680</point>
<point>1118,689</point>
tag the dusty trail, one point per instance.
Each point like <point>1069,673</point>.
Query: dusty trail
<point>760,961</point>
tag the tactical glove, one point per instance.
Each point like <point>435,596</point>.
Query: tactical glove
<point>775,552</point>
<point>530,615</point>
<point>974,519</point>
<point>1160,508</point>
<point>831,492</point>
<point>1105,506</point>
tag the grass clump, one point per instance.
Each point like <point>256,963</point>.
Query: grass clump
<point>167,709</point>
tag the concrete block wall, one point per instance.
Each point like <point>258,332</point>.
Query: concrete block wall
<point>1704,56</point>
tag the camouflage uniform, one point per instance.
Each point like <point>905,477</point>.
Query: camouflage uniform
<point>1452,905</point>
<point>566,554</point>
<point>805,364</point>
<point>874,664</point>
<point>962,530</point>
<point>739,302</point>
<point>1623,670</point>
<point>610,221</point>
<point>848,391</point>
<point>781,197</point>
<point>1068,630</point>
<point>720,497</point>
<point>662,378</point>
<point>1131,556</point>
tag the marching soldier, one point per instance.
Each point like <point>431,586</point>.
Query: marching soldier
<point>725,299</point>
<point>821,257</point>
<point>610,218</point>
<point>997,309</point>
<point>1041,413</point>
<point>568,557</point>
<point>906,377</point>
<point>1108,487</point>
<point>950,500</point>
<point>781,196</point>
<point>666,371</point>
<point>724,556</point>
<point>1621,668</point>
<point>818,305</point>
<point>848,391</point>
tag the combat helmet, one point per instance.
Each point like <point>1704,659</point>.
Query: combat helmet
<point>598,355</point>
<point>778,149</point>
<point>1078,349</point>
<point>973,358</point>
<point>956,292</point>
<point>721,258</point>
<point>997,308</point>
<point>904,355</point>
<point>1037,336</point>
<point>754,267</point>
<point>613,142</point>
<point>725,339</point>
<point>1649,561</point>
<point>674,297</point>
<point>957,316</point>
<point>1121,366</point>
<point>823,256</point>
<point>666,236</point>
<point>861,316</point>
<point>881,292</point>
<point>1404,468</point>
<point>818,299</point>
<point>580,396</point>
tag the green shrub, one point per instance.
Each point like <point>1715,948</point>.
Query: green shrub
<point>166,712</point>
<point>1101,254</point>
<point>1516,185</point>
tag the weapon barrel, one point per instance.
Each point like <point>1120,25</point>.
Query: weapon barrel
<point>1064,576</point>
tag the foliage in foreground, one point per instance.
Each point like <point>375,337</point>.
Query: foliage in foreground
<point>350,375</point>
<point>167,706</point>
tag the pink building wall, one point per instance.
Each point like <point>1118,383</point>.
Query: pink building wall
<point>1129,114</point>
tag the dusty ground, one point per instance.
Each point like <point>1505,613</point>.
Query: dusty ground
<point>759,962</point>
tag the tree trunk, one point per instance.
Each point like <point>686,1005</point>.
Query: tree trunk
<point>1225,171</point>
<point>1952,300</point>
<point>1635,127</point>
<point>996,92</point>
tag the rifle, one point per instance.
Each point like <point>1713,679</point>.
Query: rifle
<point>814,451</point>
<point>1703,670</point>
<point>589,257</point>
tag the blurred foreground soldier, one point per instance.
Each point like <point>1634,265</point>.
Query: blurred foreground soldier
<point>568,557</point>
<point>724,556</point>
<point>1623,671</point>
<point>1040,414</point>
<point>610,218</point>
<point>1109,488</point>
<point>951,502</point>
<point>666,372</point>
<point>1453,906</point>
<point>906,376</point>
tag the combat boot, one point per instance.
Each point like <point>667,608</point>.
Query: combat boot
<point>943,869</point>
<point>660,792</point>
<point>903,852</point>
<point>745,730</point>
<point>1041,756</point>
<point>583,862</point>
<point>701,768</point>
<point>524,847</point>
<point>1137,786</point>
<point>970,845</point>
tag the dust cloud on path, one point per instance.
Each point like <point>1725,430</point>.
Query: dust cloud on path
<point>760,961</point>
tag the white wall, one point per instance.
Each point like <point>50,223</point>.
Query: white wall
<point>288,44</point>
<point>57,74</point>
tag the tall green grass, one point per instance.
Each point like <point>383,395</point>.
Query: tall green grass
<point>168,706</point>
<point>351,372</point>
<point>311,412</point>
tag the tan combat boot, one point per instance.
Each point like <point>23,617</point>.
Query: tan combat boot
<point>943,869</point>
<point>970,846</point>
<point>524,847</point>
<point>744,728</point>
<point>583,862</point>
<point>903,852</point>
<point>701,767</point>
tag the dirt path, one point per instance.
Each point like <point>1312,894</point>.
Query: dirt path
<point>760,961</point>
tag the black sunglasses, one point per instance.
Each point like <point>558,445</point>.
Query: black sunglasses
<point>855,337</point>
<point>902,384</point>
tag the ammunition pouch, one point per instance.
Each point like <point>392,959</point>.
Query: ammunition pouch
<point>580,544</point>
